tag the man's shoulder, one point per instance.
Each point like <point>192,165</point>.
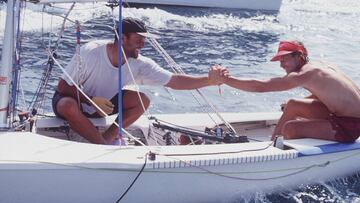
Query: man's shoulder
<point>144,60</point>
<point>93,46</point>
<point>319,65</point>
<point>303,76</point>
<point>95,43</point>
<point>311,68</point>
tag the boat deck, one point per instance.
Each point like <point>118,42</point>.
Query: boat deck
<point>258,127</point>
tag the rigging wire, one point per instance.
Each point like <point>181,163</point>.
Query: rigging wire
<point>137,86</point>
<point>51,60</point>
<point>300,169</point>
<point>39,97</point>
<point>78,60</point>
<point>76,9</point>
<point>114,28</point>
<point>130,70</point>
<point>137,89</point>
<point>21,89</point>
<point>178,126</point>
<point>50,54</point>
<point>127,63</point>
<point>16,63</point>
<point>61,32</point>
<point>217,153</point>
<point>206,171</point>
<point>179,70</point>
<point>135,179</point>
<point>219,174</point>
<point>175,69</point>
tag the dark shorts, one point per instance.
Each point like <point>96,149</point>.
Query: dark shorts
<point>57,96</point>
<point>347,128</point>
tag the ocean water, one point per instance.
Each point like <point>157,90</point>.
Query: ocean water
<point>242,40</point>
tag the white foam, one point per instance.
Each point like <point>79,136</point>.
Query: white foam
<point>157,18</point>
<point>34,20</point>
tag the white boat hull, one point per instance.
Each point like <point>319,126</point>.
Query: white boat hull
<point>244,4</point>
<point>36,168</point>
<point>94,186</point>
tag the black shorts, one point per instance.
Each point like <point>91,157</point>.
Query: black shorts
<point>57,96</point>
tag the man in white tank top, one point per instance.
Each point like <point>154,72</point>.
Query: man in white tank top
<point>98,75</point>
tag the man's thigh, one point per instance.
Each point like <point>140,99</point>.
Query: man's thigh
<point>307,128</point>
<point>308,108</point>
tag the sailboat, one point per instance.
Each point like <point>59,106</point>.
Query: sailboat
<point>180,161</point>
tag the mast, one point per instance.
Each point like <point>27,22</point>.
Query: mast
<point>6,64</point>
<point>119,67</point>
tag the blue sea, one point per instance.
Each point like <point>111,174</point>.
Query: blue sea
<point>196,38</point>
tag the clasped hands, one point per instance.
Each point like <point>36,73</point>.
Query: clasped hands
<point>218,74</point>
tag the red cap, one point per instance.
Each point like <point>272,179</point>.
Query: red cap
<point>287,47</point>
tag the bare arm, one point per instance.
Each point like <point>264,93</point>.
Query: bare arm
<point>287,82</point>
<point>187,82</point>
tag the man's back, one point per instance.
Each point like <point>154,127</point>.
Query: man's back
<point>333,88</point>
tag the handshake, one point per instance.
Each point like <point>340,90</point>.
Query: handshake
<point>218,75</point>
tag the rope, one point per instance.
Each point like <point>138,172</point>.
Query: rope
<point>300,169</point>
<point>39,97</point>
<point>78,59</point>
<point>133,78</point>
<point>178,126</point>
<point>61,32</point>
<point>137,87</point>
<point>129,68</point>
<point>16,64</point>
<point>177,68</point>
<point>87,97</point>
<point>133,182</point>
<point>217,153</point>
<point>128,65</point>
<point>21,89</point>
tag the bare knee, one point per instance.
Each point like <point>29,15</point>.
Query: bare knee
<point>291,104</point>
<point>145,100</point>
<point>67,107</point>
<point>295,108</point>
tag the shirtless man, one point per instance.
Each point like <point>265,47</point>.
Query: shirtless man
<point>331,112</point>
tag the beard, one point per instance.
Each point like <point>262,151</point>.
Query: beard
<point>132,53</point>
